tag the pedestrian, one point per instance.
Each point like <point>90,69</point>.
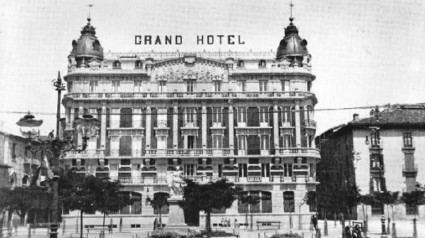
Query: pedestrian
<point>314,221</point>
<point>357,232</point>
<point>155,224</point>
<point>347,232</point>
<point>228,222</point>
<point>236,224</point>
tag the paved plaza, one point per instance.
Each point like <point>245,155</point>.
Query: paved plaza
<point>404,229</point>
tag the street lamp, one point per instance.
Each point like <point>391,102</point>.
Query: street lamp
<point>86,127</point>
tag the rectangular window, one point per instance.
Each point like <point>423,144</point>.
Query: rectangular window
<point>125,146</point>
<point>13,152</point>
<point>70,87</point>
<point>242,142</point>
<point>287,170</point>
<point>190,114</point>
<point>217,86</point>
<point>190,85</point>
<point>264,114</point>
<point>374,138</point>
<point>265,142</point>
<point>243,168</point>
<point>265,170</point>
<point>137,86</point>
<point>407,139</point>
<point>191,142</point>
<point>115,85</point>
<point>162,86</point>
<point>217,141</point>
<point>242,114</point>
<point>217,115</point>
<point>285,85</point>
<point>263,85</point>
<point>189,169</point>
<point>242,85</point>
<point>126,117</point>
<point>93,86</point>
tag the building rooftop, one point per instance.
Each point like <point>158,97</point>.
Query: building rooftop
<point>394,115</point>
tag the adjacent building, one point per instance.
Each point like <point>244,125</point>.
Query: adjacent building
<point>18,163</point>
<point>245,116</point>
<point>383,152</point>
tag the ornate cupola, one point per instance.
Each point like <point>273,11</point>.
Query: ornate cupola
<point>292,47</point>
<point>87,48</point>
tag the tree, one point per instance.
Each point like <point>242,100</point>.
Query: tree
<point>348,197</point>
<point>310,198</point>
<point>367,200</point>
<point>388,198</point>
<point>413,198</point>
<point>81,194</point>
<point>204,197</point>
<point>109,199</point>
<point>245,198</point>
<point>158,202</point>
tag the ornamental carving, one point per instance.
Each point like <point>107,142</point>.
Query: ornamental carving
<point>199,72</point>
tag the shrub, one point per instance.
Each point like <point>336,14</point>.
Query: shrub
<point>286,235</point>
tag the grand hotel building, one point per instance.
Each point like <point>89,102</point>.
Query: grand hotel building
<point>245,116</point>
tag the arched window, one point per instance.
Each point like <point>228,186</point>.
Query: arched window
<point>241,64</point>
<point>136,206</point>
<point>138,64</point>
<point>264,204</point>
<point>165,208</point>
<point>262,64</point>
<point>116,65</point>
<point>288,201</point>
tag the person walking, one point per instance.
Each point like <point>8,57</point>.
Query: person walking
<point>314,221</point>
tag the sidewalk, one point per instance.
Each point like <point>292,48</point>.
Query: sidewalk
<point>404,229</point>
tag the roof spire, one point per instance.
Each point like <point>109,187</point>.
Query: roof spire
<point>291,5</point>
<point>89,17</point>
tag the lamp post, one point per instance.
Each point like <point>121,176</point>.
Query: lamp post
<point>57,148</point>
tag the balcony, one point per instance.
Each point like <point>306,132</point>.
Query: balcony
<point>124,153</point>
<point>299,152</point>
<point>188,95</point>
<point>286,129</point>
<point>375,147</point>
<point>95,154</point>
<point>310,126</point>
<point>379,169</point>
<point>408,147</point>
<point>300,169</point>
<point>410,171</point>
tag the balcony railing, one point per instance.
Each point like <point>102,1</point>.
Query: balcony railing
<point>85,154</point>
<point>301,152</point>
<point>410,170</point>
<point>310,124</point>
<point>189,95</point>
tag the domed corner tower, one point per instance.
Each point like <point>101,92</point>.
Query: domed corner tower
<point>87,50</point>
<point>292,48</point>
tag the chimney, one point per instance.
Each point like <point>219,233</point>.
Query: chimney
<point>355,117</point>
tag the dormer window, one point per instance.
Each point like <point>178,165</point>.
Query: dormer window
<point>138,64</point>
<point>190,85</point>
<point>263,85</point>
<point>217,86</point>
<point>262,64</point>
<point>116,65</point>
<point>241,64</point>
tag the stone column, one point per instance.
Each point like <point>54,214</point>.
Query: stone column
<point>231,131</point>
<point>204,128</point>
<point>297,125</point>
<point>175,127</point>
<point>148,128</point>
<point>276,127</point>
<point>103,128</point>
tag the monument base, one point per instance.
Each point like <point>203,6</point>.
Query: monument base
<point>176,214</point>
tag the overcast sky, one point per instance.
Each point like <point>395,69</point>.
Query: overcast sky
<point>364,52</point>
